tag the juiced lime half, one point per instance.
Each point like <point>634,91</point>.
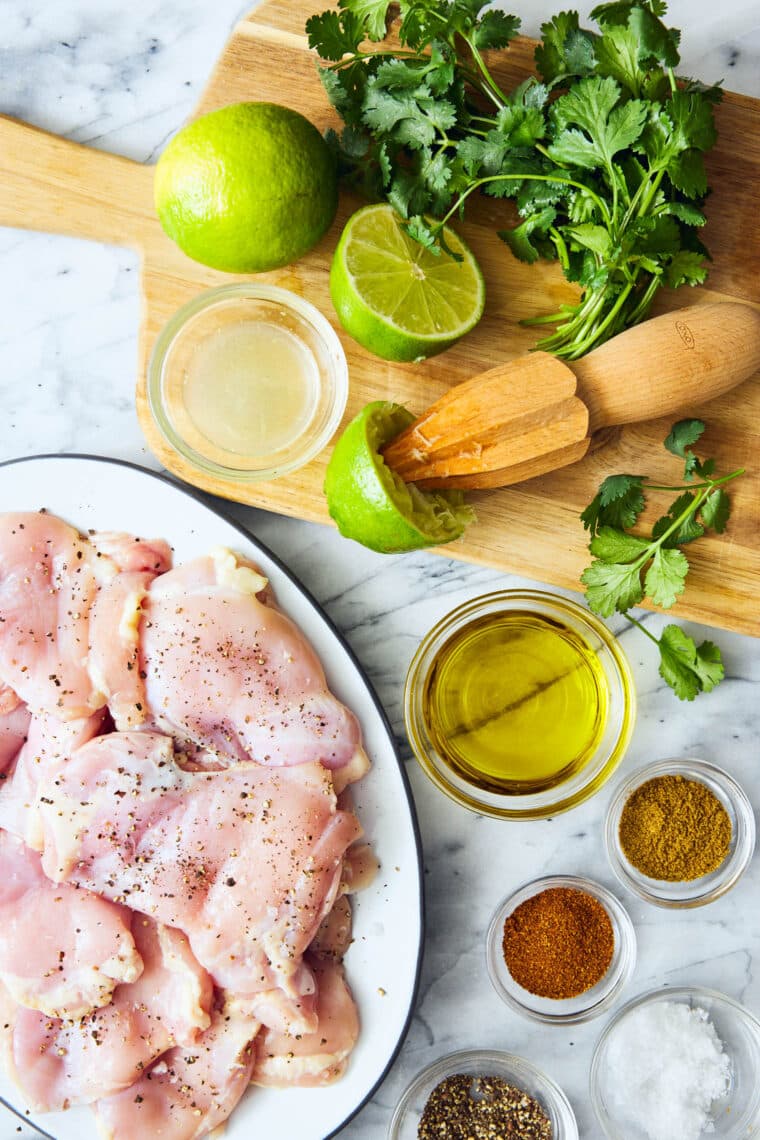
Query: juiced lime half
<point>373,505</point>
<point>399,300</point>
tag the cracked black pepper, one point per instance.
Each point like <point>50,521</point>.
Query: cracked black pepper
<point>464,1107</point>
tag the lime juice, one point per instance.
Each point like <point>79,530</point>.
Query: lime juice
<point>251,388</point>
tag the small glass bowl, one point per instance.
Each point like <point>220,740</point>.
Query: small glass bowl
<point>738,1113</point>
<point>566,1011</point>
<point>581,784</point>
<point>700,891</point>
<point>206,315</point>
<point>484,1063</point>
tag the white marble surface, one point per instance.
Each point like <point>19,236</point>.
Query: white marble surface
<point>122,77</point>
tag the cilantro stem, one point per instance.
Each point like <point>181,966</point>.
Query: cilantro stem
<point>497,95</point>
<point>641,626</point>
<point>646,300</point>
<point>690,511</point>
<point>518,178</point>
<point>580,347</point>
<point>348,60</point>
<point>710,484</point>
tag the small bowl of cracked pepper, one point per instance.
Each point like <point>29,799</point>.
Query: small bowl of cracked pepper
<point>481,1094</point>
<point>560,949</point>
<point>679,833</point>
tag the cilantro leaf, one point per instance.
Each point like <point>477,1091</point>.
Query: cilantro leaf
<point>656,41</point>
<point>521,238</point>
<point>413,118</point>
<point>592,105</point>
<point>686,668</point>
<point>371,14</point>
<point>685,212</point>
<point>520,125</point>
<point>419,229</point>
<point>495,30</point>
<point>666,577</point>
<point>590,516</point>
<point>595,238</point>
<point>617,56</point>
<point>688,530</point>
<point>611,587</point>
<point>715,510</point>
<point>686,268</point>
<point>564,49</point>
<point>618,504</point>
<point>334,34</point>
<point>613,545</point>
<point>687,173</point>
<point>692,119</point>
<point>709,666</point>
<point>682,435</point>
<point>623,495</point>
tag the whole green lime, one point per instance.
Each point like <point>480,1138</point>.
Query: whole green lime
<point>247,188</point>
<point>373,505</point>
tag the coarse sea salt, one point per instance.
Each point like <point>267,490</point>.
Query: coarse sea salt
<point>668,1067</point>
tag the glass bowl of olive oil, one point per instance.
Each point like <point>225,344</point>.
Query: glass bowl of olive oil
<point>519,704</point>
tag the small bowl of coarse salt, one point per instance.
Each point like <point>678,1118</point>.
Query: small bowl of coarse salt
<point>678,1064</point>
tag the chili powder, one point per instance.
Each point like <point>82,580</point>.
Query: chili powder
<point>559,943</point>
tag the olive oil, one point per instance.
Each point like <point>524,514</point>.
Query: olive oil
<point>515,702</point>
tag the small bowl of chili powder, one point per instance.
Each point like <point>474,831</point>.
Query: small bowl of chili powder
<point>560,949</point>
<point>679,833</point>
<point>481,1094</point>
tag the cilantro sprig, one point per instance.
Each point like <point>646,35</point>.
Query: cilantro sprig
<point>629,567</point>
<point>602,152</point>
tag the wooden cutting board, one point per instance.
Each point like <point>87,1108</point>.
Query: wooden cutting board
<point>50,184</point>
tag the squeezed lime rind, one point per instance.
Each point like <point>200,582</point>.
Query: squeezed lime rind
<point>375,507</point>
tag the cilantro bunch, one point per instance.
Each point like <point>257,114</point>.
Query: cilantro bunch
<point>602,155</point>
<point>627,567</point>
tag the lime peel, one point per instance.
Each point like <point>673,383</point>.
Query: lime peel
<point>372,504</point>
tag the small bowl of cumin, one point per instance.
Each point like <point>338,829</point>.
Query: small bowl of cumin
<point>560,949</point>
<point>481,1093</point>
<point>679,833</point>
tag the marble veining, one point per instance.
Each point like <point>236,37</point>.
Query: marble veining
<point>123,78</point>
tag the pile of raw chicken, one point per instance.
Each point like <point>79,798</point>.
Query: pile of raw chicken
<point>177,839</point>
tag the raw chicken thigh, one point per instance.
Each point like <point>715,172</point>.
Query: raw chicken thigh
<point>62,950</point>
<point>247,861</point>
<point>48,579</point>
<point>176,841</point>
<point>58,1063</point>
<point>226,672</point>
<point>188,1092</point>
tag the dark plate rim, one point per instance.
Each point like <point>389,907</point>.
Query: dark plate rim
<point>203,499</point>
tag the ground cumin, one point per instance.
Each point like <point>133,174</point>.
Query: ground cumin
<point>559,943</point>
<point>674,829</point>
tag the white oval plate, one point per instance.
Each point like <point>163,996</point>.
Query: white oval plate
<point>383,963</point>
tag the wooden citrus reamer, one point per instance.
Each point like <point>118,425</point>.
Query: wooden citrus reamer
<point>537,413</point>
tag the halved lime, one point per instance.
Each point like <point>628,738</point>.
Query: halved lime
<point>373,505</point>
<point>399,300</point>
